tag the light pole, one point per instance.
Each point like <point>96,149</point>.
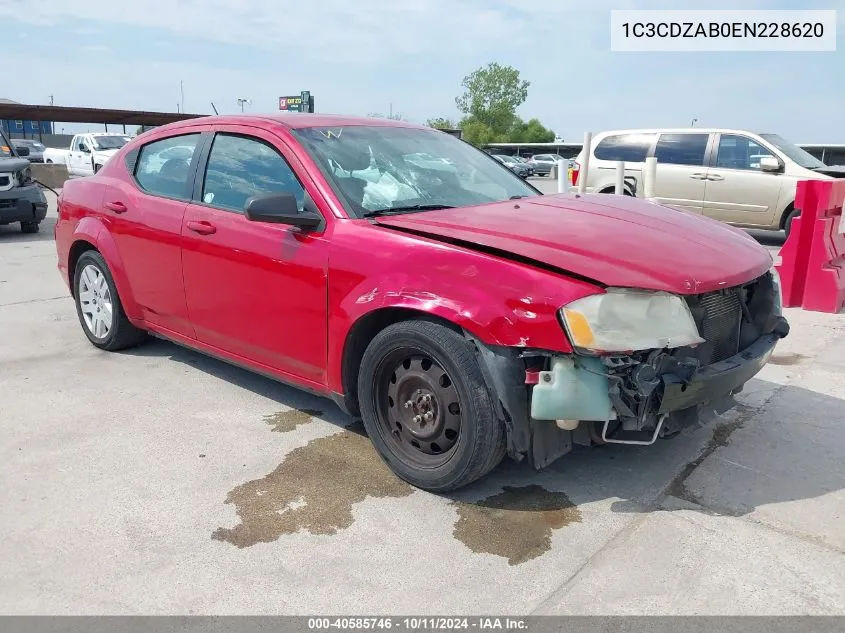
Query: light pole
<point>241,103</point>
<point>694,121</point>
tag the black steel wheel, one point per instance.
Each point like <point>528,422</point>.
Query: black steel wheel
<point>426,407</point>
<point>419,406</point>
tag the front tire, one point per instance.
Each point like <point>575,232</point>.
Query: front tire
<point>426,407</point>
<point>98,305</point>
<point>787,224</point>
<point>29,227</point>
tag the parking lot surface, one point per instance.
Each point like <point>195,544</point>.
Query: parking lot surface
<point>160,481</point>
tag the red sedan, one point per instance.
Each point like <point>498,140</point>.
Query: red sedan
<point>419,283</point>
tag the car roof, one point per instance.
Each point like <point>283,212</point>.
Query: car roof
<point>292,120</point>
<point>677,130</point>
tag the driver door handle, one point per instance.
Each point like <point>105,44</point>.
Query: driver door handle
<point>202,227</point>
<point>715,177</point>
<point>698,176</point>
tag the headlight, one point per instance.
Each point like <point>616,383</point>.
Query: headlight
<point>778,291</point>
<point>628,320</point>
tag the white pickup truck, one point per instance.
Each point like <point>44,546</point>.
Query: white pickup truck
<point>87,153</point>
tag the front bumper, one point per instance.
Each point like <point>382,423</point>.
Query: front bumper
<point>718,380</point>
<point>22,204</point>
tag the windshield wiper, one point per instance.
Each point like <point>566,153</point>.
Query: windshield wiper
<point>406,209</point>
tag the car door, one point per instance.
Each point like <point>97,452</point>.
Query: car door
<point>145,219</point>
<point>84,164</point>
<point>74,156</point>
<point>737,190</point>
<point>255,290</point>
<point>681,170</point>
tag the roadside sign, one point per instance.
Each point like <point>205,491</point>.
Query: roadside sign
<point>303,102</point>
<point>291,104</point>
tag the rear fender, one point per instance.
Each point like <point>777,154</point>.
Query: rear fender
<point>92,230</point>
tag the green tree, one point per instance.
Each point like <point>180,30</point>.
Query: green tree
<point>442,123</point>
<point>531,131</point>
<point>479,133</point>
<point>491,96</point>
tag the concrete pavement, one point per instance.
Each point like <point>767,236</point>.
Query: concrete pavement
<point>159,481</point>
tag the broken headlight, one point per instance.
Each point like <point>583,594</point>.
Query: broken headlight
<point>625,320</point>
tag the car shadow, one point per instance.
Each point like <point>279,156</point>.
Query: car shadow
<point>632,478</point>
<point>11,233</point>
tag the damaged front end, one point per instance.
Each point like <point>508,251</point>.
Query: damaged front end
<point>637,397</point>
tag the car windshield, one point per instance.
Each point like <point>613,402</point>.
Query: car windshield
<point>403,170</point>
<point>110,142</point>
<point>793,152</point>
<point>509,159</point>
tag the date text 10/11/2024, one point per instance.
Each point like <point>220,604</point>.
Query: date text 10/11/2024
<point>418,623</point>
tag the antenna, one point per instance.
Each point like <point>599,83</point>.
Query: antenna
<point>213,108</point>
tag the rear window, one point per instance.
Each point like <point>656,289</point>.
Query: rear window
<point>631,148</point>
<point>681,149</point>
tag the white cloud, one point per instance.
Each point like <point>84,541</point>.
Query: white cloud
<point>366,31</point>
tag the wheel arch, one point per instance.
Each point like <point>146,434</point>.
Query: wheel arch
<point>362,333</point>
<point>90,234</point>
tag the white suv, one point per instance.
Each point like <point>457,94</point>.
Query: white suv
<point>738,177</point>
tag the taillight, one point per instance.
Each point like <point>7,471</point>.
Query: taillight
<point>574,170</point>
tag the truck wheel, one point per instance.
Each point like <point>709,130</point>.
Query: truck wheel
<point>29,227</point>
<point>98,305</point>
<point>48,161</point>
<point>426,407</point>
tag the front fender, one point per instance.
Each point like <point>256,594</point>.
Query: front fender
<point>91,229</point>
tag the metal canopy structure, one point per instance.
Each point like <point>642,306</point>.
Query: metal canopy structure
<point>22,112</point>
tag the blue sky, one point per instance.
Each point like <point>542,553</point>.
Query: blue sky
<point>359,57</point>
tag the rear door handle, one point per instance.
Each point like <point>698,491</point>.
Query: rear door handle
<point>698,176</point>
<point>116,206</point>
<point>202,227</point>
<point>715,177</point>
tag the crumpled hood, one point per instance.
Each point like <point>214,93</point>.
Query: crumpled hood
<point>13,164</point>
<point>615,240</point>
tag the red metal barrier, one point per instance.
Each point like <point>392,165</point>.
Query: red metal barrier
<point>812,268</point>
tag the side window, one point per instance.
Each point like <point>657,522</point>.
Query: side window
<point>681,149</point>
<point>163,167</point>
<point>75,145</point>
<point>739,152</point>
<point>240,167</point>
<point>631,148</point>
<point>834,157</point>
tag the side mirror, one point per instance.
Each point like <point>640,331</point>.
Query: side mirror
<point>770,164</point>
<point>280,208</point>
<point>22,151</point>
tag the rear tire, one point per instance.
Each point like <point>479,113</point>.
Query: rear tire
<point>426,407</point>
<point>29,227</point>
<point>98,305</point>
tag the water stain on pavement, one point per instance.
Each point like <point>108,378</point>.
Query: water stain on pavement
<point>286,421</point>
<point>314,489</point>
<point>516,523</point>
<point>786,359</point>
